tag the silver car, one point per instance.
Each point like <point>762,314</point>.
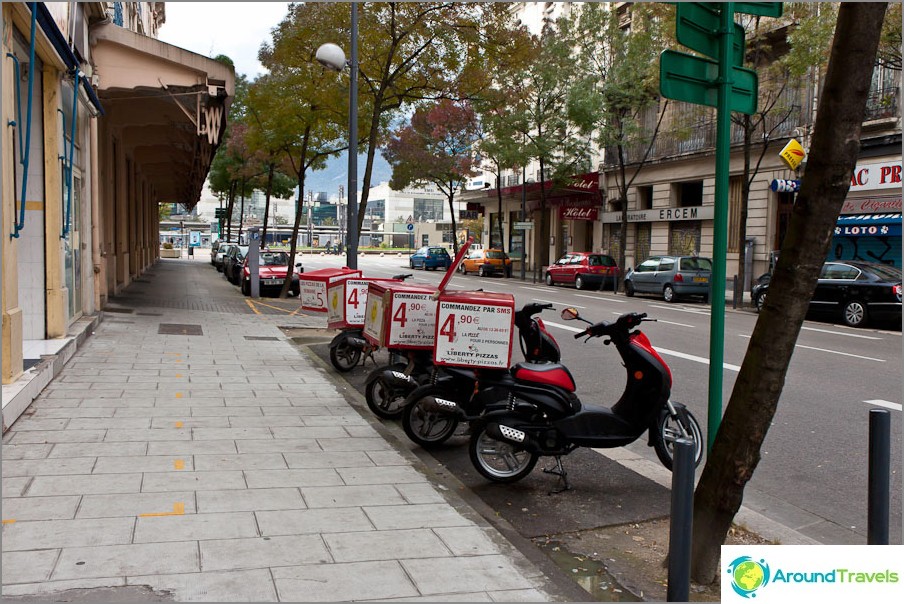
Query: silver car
<point>671,277</point>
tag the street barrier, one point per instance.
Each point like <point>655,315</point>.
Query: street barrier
<point>879,469</point>
<point>681,522</point>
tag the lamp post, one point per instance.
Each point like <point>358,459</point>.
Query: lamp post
<point>332,57</point>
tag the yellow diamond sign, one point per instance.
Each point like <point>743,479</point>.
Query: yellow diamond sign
<point>792,154</point>
<point>335,300</point>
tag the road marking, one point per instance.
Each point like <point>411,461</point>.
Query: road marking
<point>666,351</point>
<point>673,323</point>
<point>559,303</point>
<point>178,424</point>
<point>251,306</point>
<point>178,510</point>
<point>539,289</point>
<point>178,375</point>
<point>845,354</point>
<point>602,298</point>
<point>679,309</point>
<point>179,464</point>
<point>178,395</point>
<point>841,333</point>
<point>9,521</point>
<point>886,404</point>
<point>259,303</point>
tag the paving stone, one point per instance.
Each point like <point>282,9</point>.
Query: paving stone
<point>30,423</point>
<point>479,573</point>
<point>94,423</point>
<point>265,402</point>
<point>335,420</point>
<point>341,459</point>
<point>250,461</point>
<point>345,496</point>
<point>36,467</point>
<point>231,433</point>
<point>342,582</point>
<point>353,444</point>
<point>127,560</point>
<point>37,451</point>
<point>186,421</point>
<point>151,412</point>
<point>14,487</point>
<point>266,421</point>
<point>324,432</point>
<point>40,508</point>
<point>143,463</point>
<point>135,504</point>
<point>192,447</point>
<point>428,515</point>
<point>263,552</point>
<point>262,479</point>
<point>277,446</point>
<point>420,493</point>
<point>385,475</point>
<point>361,431</point>
<point>27,567</point>
<point>98,449</point>
<point>246,411</point>
<point>84,484</point>
<point>388,458</point>
<point>58,436</point>
<point>195,527</point>
<point>116,400</point>
<point>457,597</point>
<point>385,545</point>
<point>296,411</point>
<point>467,540</point>
<point>192,481</point>
<point>46,534</point>
<point>226,586</point>
<point>147,435</point>
<point>306,522</point>
<point>58,412</point>
<point>249,500</point>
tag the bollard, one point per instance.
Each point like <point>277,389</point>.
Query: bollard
<point>681,522</point>
<point>879,469</point>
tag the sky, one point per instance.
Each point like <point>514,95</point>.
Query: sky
<point>234,29</point>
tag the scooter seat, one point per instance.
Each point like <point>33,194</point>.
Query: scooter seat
<point>551,374</point>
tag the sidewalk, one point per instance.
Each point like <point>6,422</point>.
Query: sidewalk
<point>188,452</point>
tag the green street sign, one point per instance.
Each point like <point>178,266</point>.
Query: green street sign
<point>697,27</point>
<point>761,9</point>
<point>693,79</point>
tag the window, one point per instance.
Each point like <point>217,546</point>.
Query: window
<point>648,266</point>
<point>696,264</point>
<point>428,209</point>
<point>666,264</point>
<point>839,271</point>
<point>644,198</point>
<point>597,260</point>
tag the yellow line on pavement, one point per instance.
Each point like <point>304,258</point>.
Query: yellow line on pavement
<point>178,395</point>
<point>9,521</point>
<point>179,464</point>
<point>251,306</point>
<point>178,510</point>
<point>178,424</point>
<point>273,307</point>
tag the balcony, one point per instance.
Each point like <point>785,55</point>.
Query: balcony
<point>883,104</point>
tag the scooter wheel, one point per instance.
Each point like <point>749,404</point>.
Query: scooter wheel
<point>344,356</point>
<point>384,400</point>
<point>424,423</point>
<point>670,428</point>
<point>499,461</point>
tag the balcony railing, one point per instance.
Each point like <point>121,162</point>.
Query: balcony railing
<point>882,104</point>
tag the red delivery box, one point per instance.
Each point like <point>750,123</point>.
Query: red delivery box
<point>400,316</point>
<point>348,300</point>
<point>474,329</point>
<point>313,286</point>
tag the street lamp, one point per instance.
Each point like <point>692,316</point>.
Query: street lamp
<point>331,56</point>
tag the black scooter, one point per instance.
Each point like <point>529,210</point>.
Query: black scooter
<point>543,416</point>
<point>433,411</point>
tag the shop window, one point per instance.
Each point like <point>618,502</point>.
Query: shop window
<point>784,206</point>
<point>684,238</point>
<point>643,238</point>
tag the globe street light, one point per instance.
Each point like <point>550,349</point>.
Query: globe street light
<point>331,56</point>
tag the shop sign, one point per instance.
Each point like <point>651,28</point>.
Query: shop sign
<point>578,213</point>
<point>868,230</point>
<point>588,183</point>
<point>663,215</point>
<point>885,175</point>
<point>871,205</point>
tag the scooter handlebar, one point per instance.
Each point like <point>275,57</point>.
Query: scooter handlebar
<point>523,316</point>
<point>624,323</point>
<point>402,277</point>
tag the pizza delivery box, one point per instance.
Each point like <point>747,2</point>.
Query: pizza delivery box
<point>313,286</point>
<point>400,316</point>
<point>347,300</point>
<point>474,329</point>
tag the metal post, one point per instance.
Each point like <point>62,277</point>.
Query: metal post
<point>523,215</point>
<point>352,248</point>
<point>254,261</point>
<point>681,522</point>
<point>879,471</point>
<point>720,225</point>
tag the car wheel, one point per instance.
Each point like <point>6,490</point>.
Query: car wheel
<point>549,279</point>
<point>508,272</point>
<point>579,283</point>
<point>482,271</point>
<point>706,298</point>
<point>246,287</point>
<point>629,289</point>
<point>461,269</point>
<point>759,301</point>
<point>855,314</point>
<point>411,264</point>
<point>668,294</point>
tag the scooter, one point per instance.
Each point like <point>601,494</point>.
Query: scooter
<point>433,411</point>
<point>349,346</point>
<point>544,417</point>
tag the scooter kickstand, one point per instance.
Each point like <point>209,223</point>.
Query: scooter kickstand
<point>559,471</point>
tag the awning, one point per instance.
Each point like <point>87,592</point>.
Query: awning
<point>167,105</point>
<point>869,225</point>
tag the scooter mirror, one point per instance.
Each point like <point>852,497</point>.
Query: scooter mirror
<point>570,314</point>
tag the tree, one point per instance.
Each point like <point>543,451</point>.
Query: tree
<point>222,179</point>
<point>616,96</point>
<point>754,399</point>
<point>436,148</point>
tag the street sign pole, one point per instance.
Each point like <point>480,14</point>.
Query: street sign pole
<point>720,224</point>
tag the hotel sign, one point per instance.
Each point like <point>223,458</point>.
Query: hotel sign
<point>663,215</point>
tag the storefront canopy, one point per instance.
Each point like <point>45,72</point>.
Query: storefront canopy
<point>167,106</point>
<point>865,225</point>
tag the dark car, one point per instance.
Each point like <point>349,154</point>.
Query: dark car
<point>671,277</point>
<point>855,292</point>
<point>232,262</point>
<point>272,269</point>
<point>584,270</point>
<point>430,257</point>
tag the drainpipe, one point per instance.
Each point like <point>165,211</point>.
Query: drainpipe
<point>97,256</point>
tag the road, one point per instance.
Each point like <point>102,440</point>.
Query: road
<point>813,473</point>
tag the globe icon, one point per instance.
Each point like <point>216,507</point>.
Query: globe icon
<point>749,575</point>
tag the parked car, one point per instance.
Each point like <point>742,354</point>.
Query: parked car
<point>232,262</point>
<point>272,269</point>
<point>220,253</point>
<point>430,257</point>
<point>671,277</point>
<point>855,292</point>
<point>486,262</point>
<point>584,270</point>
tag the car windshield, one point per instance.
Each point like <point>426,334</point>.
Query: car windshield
<point>438,251</point>
<point>696,264</point>
<point>885,271</point>
<point>274,259</point>
<point>596,260</point>
<point>495,255</point>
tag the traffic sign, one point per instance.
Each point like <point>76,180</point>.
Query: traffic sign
<point>410,220</point>
<point>694,79</point>
<point>761,9</point>
<point>523,226</point>
<point>409,226</point>
<point>697,27</point>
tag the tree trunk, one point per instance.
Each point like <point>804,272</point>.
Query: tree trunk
<point>452,212</point>
<point>369,164</point>
<point>242,211</point>
<point>230,206</point>
<point>270,169</point>
<point>542,243</point>
<point>299,207</point>
<point>754,399</point>
<point>501,229</point>
<point>745,202</point>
